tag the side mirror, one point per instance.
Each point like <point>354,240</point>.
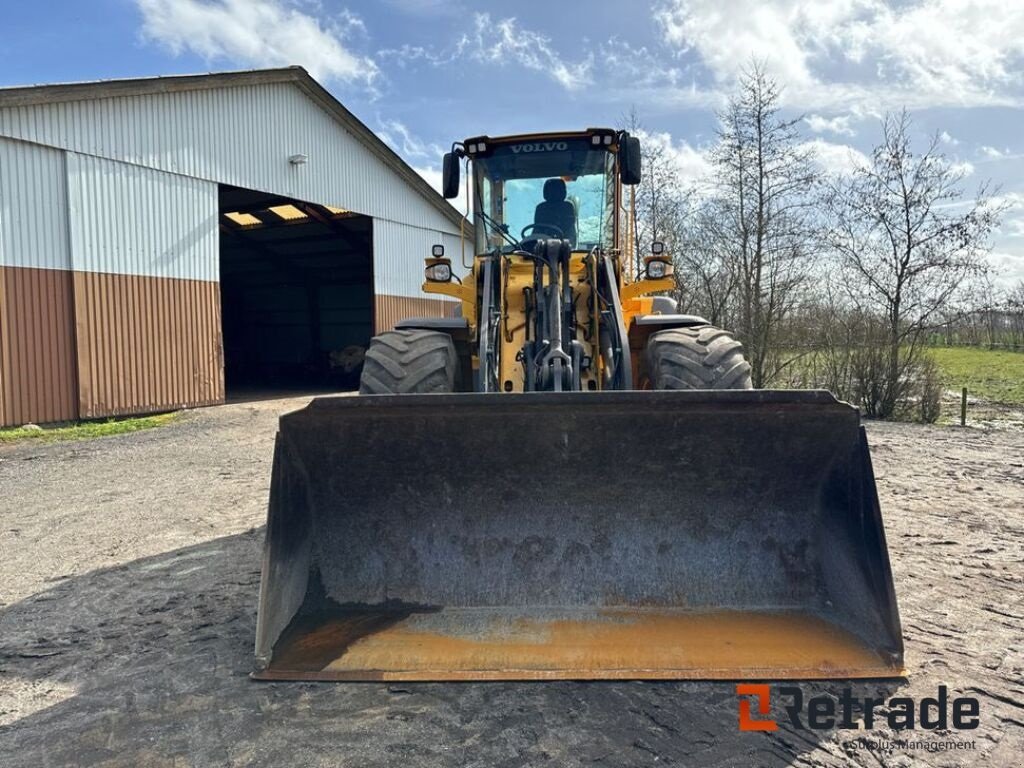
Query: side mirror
<point>629,160</point>
<point>450,176</point>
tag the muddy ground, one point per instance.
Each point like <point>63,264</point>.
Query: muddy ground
<point>129,569</point>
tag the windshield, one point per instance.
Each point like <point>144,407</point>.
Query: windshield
<point>559,188</point>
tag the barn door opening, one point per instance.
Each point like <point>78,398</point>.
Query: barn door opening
<point>296,284</point>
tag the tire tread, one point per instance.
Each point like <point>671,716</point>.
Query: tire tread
<point>409,361</point>
<point>701,357</point>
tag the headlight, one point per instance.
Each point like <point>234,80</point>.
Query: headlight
<point>438,271</point>
<point>658,268</point>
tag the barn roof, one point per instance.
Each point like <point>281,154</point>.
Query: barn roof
<point>32,95</point>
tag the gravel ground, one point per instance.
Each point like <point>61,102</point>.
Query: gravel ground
<point>130,569</point>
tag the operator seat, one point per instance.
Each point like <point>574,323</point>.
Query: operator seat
<point>556,211</point>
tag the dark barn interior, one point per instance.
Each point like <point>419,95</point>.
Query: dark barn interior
<point>296,293</point>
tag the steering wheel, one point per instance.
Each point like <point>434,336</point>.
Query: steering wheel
<point>549,228</point>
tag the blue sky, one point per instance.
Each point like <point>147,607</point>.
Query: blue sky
<point>425,72</point>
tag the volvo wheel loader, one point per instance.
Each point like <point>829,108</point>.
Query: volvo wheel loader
<point>568,479</point>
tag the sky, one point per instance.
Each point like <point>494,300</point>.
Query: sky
<point>425,73</point>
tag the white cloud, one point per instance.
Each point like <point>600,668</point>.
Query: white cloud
<point>839,125</point>
<point>432,174</point>
<point>1014,228</point>
<point>626,73</point>
<point>860,52</point>
<point>259,33</point>
<point>945,138</point>
<point>692,163</point>
<point>1012,203</point>
<point>424,157</point>
<point>1009,266</point>
<point>501,41</point>
<point>396,135</point>
<point>835,159</point>
<point>727,34</point>
<point>637,67</point>
<point>1012,200</point>
<point>407,54</point>
<point>640,75</point>
<point>427,7</point>
<point>963,47</point>
<point>1003,156</point>
<point>962,167</point>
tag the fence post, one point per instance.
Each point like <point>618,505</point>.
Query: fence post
<point>963,407</point>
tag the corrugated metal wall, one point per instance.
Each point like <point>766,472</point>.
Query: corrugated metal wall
<point>147,343</point>
<point>399,251</point>
<point>388,310</point>
<point>33,206</point>
<point>37,367</point>
<point>144,247</point>
<point>37,346</point>
<point>109,302</point>
<point>129,220</point>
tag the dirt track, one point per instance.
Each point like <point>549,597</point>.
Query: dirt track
<point>130,568</point>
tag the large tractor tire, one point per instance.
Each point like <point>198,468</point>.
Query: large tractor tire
<point>409,362</point>
<point>703,357</point>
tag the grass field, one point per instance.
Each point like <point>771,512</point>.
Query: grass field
<point>87,429</point>
<point>994,375</point>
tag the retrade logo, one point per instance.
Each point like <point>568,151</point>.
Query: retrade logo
<point>819,713</point>
<point>763,694</point>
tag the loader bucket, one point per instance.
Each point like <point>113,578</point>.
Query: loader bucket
<point>610,535</point>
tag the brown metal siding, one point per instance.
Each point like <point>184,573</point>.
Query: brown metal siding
<point>146,343</point>
<point>37,348</point>
<point>388,310</point>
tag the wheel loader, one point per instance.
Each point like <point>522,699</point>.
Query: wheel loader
<point>566,478</point>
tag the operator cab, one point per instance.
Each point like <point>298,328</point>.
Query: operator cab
<point>543,186</point>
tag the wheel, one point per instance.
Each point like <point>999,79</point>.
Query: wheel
<point>702,357</point>
<point>409,362</point>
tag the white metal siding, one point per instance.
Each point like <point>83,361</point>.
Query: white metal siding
<point>399,251</point>
<point>234,135</point>
<point>33,207</point>
<point>130,220</point>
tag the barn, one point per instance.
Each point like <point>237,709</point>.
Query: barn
<point>176,241</point>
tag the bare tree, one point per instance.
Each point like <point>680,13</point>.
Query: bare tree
<point>705,278</point>
<point>762,215</point>
<point>906,248</point>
